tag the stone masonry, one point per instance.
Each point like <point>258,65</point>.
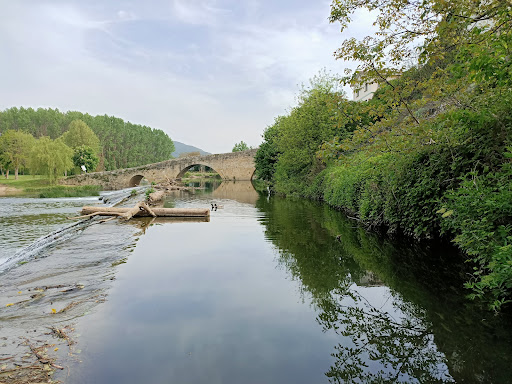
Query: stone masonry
<point>230,166</point>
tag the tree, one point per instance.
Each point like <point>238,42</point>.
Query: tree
<point>5,163</point>
<point>431,35</point>
<point>421,30</point>
<point>450,112</point>
<point>80,134</point>
<point>295,139</point>
<point>15,147</point>
<point>122,144</point>
<point>84,156</point>
<point>51,158</point>
<point>241,146</point>
<point>268,153</point>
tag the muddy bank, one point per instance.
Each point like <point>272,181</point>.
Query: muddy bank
<point>9,191</point>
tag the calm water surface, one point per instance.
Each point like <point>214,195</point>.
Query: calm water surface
<point>268,291</point>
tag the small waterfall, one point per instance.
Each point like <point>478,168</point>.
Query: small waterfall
<point>110,199</point>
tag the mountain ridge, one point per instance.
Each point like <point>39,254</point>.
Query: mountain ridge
<point>184,148</point>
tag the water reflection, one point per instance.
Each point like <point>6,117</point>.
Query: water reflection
<point>241,191</point>
<point>143,223</point>
<point>416,328</point>
<point>206,303</point>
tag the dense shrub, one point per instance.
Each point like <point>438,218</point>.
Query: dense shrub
<point>428,156</point>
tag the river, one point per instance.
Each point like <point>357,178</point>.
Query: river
<point>269,290</point>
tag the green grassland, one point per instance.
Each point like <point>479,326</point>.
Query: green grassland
<point>39,186</point>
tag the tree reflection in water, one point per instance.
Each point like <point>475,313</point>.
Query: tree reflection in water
<point>399,309</point>
<point>380,348</point>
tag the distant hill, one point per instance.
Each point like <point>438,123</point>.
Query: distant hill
<point>183,148</point>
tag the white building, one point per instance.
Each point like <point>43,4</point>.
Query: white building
<point>364,92</point>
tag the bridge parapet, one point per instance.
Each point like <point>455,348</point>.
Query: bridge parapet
<point>230,166</point>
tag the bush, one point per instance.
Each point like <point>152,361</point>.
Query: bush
<point>478,214</point>
<point>65,191</point>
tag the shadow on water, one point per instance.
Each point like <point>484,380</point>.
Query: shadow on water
<point>421,330</point>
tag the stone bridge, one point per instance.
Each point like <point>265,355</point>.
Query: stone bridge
<point>230,166</point>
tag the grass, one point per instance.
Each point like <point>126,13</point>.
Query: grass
<point>25,181</point>
<point>39,186</point>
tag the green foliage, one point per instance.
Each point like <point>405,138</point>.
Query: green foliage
<point>478,213</point>
<point>148,192</point>
<point>123,144</point>
<point>15,148</point>
<point>51,158</point>
<point>241,146</point>
<point>268,153</point>
<point>79,135</point>
<point>84,155</point>
<point>434,135</point>
<point>65,191</point>
<point>288,155</point>
<point>438,25</point>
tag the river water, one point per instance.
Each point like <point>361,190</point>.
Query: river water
<point>269,290</point>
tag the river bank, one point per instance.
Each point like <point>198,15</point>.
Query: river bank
<point>9,191</point>
<point>446,177</point>
<point>39,186</point>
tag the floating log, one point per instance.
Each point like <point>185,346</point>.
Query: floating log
<point>156,196</point>
<point>141,209</point>
<point>159,212</point>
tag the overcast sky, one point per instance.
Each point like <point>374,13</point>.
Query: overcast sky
<point>209,73</point>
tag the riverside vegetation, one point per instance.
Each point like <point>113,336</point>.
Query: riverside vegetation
<point>40,186</point>
<point>52,144</point>
<point>430,155</point>
<point>28,136</point>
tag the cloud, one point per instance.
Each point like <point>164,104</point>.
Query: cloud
<point>126,15</point>
<point>202,12</point>
<point>207,72</point>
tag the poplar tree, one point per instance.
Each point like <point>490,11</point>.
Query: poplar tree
<point>80,134</point>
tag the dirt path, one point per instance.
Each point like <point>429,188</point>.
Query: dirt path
<point>8,191</point>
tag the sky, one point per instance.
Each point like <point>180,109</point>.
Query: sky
<point>209,73</point>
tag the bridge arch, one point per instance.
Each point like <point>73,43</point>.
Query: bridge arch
<point>135,181</point>
<point>186,169</point>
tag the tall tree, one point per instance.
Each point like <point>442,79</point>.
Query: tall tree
<point>268,153</point>
<point>122,144</point>
<point>15,147</point>
<point>415,30</point>
<point>80,134</point>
